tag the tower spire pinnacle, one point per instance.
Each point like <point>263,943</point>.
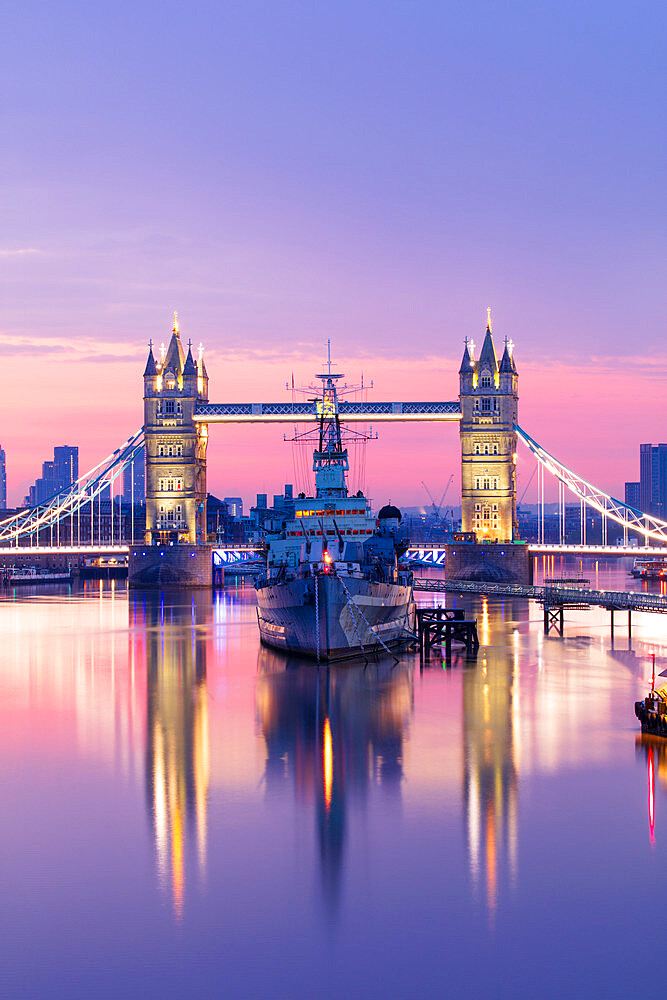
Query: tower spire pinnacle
<point>488,318</point>
<point>175,328</point>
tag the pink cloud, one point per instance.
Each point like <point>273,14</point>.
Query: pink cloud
<point>592,415</point>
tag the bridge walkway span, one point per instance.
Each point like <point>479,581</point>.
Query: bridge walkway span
<point>610,600</point>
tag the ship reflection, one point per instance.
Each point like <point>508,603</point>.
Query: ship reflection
<point>335,733</point>
<point>177,739</point>
<point>654,750</point>
<point>490,755</point>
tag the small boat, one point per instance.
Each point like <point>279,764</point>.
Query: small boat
<point>652,711</point>
<point>32,575</point>
<point>649,568</point>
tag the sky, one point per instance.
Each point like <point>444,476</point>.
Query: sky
<point>377,173</point>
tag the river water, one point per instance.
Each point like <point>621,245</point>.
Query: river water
<point>187,813</point>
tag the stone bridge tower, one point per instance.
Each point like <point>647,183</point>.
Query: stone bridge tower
<point>175,445</point>
<point>489,405</point>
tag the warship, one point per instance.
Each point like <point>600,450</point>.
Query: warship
<point>333,588</point>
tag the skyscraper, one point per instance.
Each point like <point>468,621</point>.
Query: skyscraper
<point>66,462</point>
<point>3,481</point>
<point>633,495</point>
<point>56,475</point>
<point>653,479</point>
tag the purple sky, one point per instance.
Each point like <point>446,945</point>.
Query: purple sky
<point>377,173</point>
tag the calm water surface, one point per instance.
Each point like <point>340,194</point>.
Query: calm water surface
<point>187,813</point>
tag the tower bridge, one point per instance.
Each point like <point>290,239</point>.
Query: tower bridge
<point>178,414</point>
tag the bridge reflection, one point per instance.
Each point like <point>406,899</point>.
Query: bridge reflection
<point>335,734</point>
<point>490,757</point>
<point>167,633</point>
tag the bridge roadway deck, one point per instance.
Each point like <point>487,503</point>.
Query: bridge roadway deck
<point>96,549</point>
<point>306,412</point>
<point>609,599</point>
<point>433,553</point>
<point>551,548</point>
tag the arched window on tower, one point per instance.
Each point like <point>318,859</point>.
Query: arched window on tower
<point>485,380</point>
<point>495,449</point>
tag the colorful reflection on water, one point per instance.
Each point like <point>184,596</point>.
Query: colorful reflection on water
<point>185,809</point>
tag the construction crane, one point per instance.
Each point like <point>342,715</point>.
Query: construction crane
<point>437,507</point>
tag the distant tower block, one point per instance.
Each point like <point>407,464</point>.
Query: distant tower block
<point>175,444</point>
<point>489,406</point>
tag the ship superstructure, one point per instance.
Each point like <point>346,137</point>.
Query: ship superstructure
<point>333,588</point>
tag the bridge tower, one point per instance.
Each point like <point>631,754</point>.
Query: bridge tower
<point>175,444</point>
<point>489,395</point>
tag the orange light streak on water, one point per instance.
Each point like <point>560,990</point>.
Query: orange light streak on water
<point>491,876</point>
<point>327,764</point>
<point>178,878</point>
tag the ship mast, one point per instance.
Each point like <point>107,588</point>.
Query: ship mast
<point>330,461</point>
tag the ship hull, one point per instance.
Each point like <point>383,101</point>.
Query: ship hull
<point>332,627</point>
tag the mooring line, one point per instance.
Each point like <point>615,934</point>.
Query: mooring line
<point>370,627</point>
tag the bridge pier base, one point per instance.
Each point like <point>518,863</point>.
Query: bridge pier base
<point>158,566</point>
<point>491,563</point>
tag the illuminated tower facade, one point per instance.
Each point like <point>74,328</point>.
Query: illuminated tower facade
<point>489,396</point>
<point>175,444</point>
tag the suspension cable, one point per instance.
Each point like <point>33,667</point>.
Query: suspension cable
<point>606,505</point>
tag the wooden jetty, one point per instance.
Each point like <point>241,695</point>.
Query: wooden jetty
<point>443,626</point>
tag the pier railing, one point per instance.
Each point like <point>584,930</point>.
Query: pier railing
<point>611,600</point>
